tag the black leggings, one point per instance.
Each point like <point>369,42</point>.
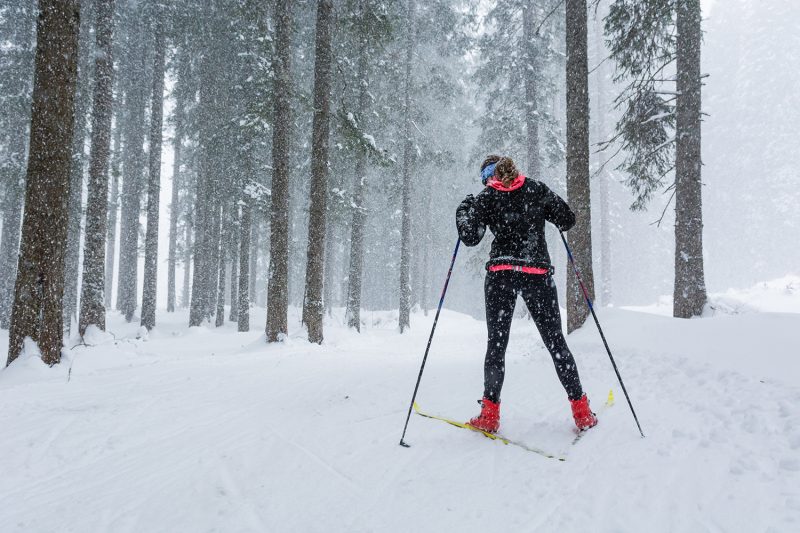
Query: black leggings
<point>540,296</point>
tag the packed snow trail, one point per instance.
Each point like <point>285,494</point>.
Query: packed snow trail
<point>208,429</point>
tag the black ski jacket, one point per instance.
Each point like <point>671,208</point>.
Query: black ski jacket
<point>516,219</point>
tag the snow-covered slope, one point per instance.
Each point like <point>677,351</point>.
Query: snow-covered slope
<point>213,430</point>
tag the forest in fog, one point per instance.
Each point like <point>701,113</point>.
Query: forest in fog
<point>215,155</point>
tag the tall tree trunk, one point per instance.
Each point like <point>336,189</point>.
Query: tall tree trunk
<point>356,270</point>
<point>408,154</point>
<point>39,290</point>
<point>203,269</point>
<point>243,287</point>
<point>221,262</point>
<point>22,37</point>
<point>254,251</point>
<point>217,256</point>
<point>690,286</point>
<point>313,307</point>
<point>113,205</point>
<point>177,183</point>
<point>278,278</point>
<point>93,309</point>
<point>578,162</point>
<point>9,246</point>
<point>82,103</point>
<point>132,182</point>
<point>531,72</point>
<point>233,243</point>
<point>187,259</point>
<point>150,283</point>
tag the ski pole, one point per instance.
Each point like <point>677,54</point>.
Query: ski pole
<point>597,322</point>
<point>430,339</point>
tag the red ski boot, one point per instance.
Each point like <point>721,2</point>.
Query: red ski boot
<point>583,415</point>
<point>489,419</point>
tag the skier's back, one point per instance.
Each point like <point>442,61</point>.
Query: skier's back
<point>515,209</point>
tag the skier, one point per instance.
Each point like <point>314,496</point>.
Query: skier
<point>515,209</point>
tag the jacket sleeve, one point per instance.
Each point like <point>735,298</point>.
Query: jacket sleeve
<point>557,211</point>
<point>469,221</point>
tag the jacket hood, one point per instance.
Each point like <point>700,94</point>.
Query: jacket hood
<point>495,183</point>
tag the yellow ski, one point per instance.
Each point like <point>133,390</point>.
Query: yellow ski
<point>492,436</point>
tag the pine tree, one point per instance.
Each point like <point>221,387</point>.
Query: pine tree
<point>92,309</point>
<point>113,203</point>
<point>313,308</point>
<point>578,162</point>
<point>358,208</point>
<point>83,100</point>
<point>660,125</point>
<point>516,74</point>
<point>16,86</point>
<point>177,181</point>
<point>690,288</point>
<point>278,290</point>
<point>408,155</point>
<point>39,290</point>
<point>243,288</point>
<point>133,163</point>
<point>154,181</point>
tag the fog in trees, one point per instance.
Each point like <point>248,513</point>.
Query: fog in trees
<point>306,158</point>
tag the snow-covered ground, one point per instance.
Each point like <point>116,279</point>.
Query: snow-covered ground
<point>208,429</point>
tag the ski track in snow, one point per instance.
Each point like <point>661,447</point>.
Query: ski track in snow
<point>208,430</point>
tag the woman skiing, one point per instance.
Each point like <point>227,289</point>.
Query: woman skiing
<point>515,209</point>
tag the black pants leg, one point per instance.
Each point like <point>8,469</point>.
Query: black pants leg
<point>541,298</point>
<point>501,296</point>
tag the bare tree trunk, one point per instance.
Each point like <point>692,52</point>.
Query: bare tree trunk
<point>578,192</point>
<point>356,270</point>
<point>690,286</point>
<point>150,283</point>
<point>132,184</point>
<point>254,251</point>
<point>203,269</point>
<point>408,149</point>
<point>313,307</point>
<point>9,248</point>
<point>82,102</point>
<point>216,252</point>
<point>23,34</point>
<point>233,243</point>
<point>174,209</point>
<point>187,260</point>
<point>113,206</point>
<point>93,309</point>
<point>39,290</point>
<point>531,70</point>
<point>222,249</point>
<point>278,279</point>
<point>243,287</point>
